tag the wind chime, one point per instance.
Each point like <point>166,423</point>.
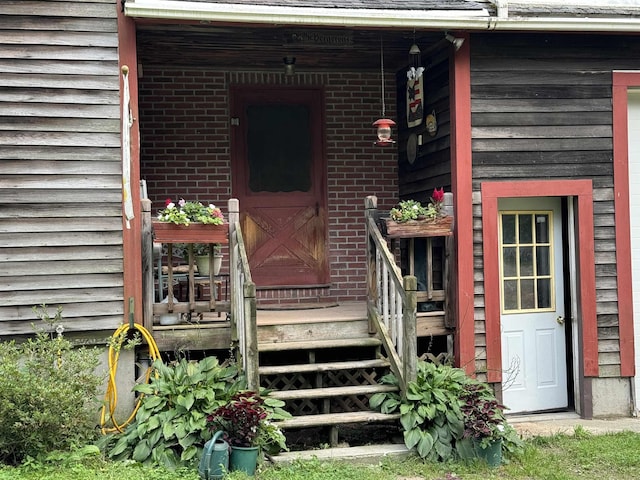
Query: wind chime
<point>383,125</point>
<point>415,94</point>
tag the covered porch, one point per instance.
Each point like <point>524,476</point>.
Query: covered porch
<point>325,360</point>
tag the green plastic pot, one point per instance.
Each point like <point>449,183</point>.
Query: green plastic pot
<point>492,453</point>
<point>244,459</point>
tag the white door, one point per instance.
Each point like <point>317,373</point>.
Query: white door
<point>634,223</point>
<point>534,376</point>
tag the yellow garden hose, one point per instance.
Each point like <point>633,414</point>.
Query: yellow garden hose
<point>111,395</point>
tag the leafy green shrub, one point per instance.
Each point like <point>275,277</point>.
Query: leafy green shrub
<point>170,427</point>
<point>437,418</point>
<point>48,398</point>
<point>430,416</point>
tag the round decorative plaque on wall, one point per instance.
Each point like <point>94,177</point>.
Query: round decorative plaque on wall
<point>412,148</point>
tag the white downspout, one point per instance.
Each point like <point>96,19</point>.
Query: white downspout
<point>502,6</point>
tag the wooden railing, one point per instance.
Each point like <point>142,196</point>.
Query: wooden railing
<point>242,305</point>
<point>244,331</point>
<point>392,301</point>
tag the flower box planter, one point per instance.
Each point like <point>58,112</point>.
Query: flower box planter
<point>166,232</point>
<point>437,227</point>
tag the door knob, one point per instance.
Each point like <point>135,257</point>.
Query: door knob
<point>560,320</point>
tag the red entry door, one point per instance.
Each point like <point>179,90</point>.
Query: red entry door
<point>279,177</point>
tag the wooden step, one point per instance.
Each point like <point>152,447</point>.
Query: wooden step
<point>329,419</point>
<point>320,344</point>
<point>366,454</point>
<point>322,367</point>
<point>331,392</point>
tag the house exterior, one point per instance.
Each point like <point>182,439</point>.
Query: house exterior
<point>526,117</point>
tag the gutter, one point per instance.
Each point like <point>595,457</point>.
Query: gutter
<point>371,18</point>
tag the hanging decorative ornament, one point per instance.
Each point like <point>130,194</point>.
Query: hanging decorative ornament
<point>432,124</point>
<point>383,125</point>
<point>415,96</point>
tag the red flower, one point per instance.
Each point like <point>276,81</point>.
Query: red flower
<point>438,195</point>
<point>167,202</point>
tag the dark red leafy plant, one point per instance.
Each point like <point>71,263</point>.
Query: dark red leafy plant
<point>483,415</point>
<point>241,419</point>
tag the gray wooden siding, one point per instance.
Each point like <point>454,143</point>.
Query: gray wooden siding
<point>432,167</point>
<point>60,166</point>
<point>541,109</point>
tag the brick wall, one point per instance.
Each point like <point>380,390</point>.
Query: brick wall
<point>185,151</point>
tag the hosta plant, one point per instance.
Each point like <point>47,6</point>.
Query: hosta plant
<point>445,411</point>
<point>430,414</point>
<point>170,427</point>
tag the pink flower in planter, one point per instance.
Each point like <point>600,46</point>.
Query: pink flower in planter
<point>437,196</point>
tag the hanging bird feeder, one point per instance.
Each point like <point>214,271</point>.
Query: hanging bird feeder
<point>383,125</point>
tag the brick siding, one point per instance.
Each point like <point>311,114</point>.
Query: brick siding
<point>185,151</point>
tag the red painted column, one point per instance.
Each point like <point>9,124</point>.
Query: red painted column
<point>131,237</point>
<point>621,82</point>
<point>461,176</point>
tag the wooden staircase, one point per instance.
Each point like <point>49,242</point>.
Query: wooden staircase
<point>325,371</point>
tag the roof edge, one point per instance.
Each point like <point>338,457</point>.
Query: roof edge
<point>269,14</point>
<point>339,17</point>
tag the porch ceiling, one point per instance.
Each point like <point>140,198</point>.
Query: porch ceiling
<point>263,48</point>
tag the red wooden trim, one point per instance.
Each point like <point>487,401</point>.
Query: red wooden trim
<point>622,80</point>
<point>132,237</point>
<point>587,279</point>
<point>461,176</point>
<point>491,192</point>
<point>490,264</point>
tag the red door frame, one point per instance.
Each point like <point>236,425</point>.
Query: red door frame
<point>582,189</point>
<point>273,95</point>
<point>621,83</point>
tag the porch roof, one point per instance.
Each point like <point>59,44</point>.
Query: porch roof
<point>531,15</point>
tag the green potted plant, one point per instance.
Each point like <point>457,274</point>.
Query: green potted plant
<point>484,421</point>
<point>246,421</point>
<point>185,213</point>
<point>190,222</point>
<point>408,210</point>
<point>410,218</point>
<point>201,255</point>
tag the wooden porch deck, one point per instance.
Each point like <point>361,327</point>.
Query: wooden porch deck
<point>347,311</point>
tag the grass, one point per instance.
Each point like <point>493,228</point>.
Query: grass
<point>560,457</point>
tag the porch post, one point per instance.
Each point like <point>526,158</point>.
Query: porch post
<point>233,207</point>
<point>410,341</point>
<point>147,266</point>
<point>370,211</point>
<point>250,326</point>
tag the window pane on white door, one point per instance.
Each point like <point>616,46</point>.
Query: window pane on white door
<point>526,260</point>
